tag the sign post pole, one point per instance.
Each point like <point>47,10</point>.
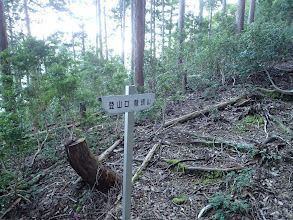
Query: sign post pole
<point>128,104</point>
<point>128,152</point>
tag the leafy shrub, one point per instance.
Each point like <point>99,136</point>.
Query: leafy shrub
<point>224,205</point>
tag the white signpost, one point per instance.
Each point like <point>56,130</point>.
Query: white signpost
<point>128,103</point>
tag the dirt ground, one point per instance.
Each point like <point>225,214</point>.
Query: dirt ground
<point>230,138</point>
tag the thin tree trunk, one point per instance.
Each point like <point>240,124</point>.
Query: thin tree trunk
<point>11,30</point>
<point>180,41</point>
<point>210,22</point>
<point>100,29</point>
<point>105,27</point>
<point>97,27</point>
<point>27,18</point>
<point>139,36</point>
<point>73,46</point>
<point>170,29</point>
<point>240,15</point>
<point>123,32</point>
<point>163,28</point>
<point>83,38</point>
<point>132,40</point>
<point>7,79</point>
<point>154,30</point>
<point>151,28</point>
<point>224,6</point>
<point>200,14</point>
<point>251,12</point>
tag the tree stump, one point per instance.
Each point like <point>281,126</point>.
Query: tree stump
<point>89,168</point>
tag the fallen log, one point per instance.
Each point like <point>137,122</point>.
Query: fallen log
<point>89,168</point>
<point>204,111</point>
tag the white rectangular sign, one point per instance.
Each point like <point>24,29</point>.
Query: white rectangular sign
<point>127,103</point>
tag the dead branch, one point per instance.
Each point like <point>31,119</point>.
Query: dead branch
<point>11,207</point>
<point>204,111</point>
<point>286,92</point>
<point>207,169</point>
<point>145,162</point>
<point>106,153</point>
<point>280,123</point>
<point>204,210</point>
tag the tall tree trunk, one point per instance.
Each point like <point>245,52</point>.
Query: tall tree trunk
<point>180,41</point>
<point>139,36</point>
<point>83,38</point>
<point>123,32</point>
<point>100,30</point>
<point>163,28</point>
<point>210,19</point>
<point>132,41</point>
<point>97,27</point>
<point>73,46</point>
<point>27,18</point>
<point>224,6</point>
<point>200,14</point>
<point>105,27</point>
<point>11,30</point>
<point>154,30</point>
<point>99,37</point>
<point>151,28</point>
<point>240,15</point>
<point>251,11</point>
<point>7,78</point>
<point>170,28</point>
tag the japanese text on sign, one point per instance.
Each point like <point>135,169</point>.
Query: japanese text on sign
<point>127,103</point>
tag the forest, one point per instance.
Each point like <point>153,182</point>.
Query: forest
<point>215,144</point>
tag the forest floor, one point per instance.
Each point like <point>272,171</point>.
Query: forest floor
<point>234,137</point>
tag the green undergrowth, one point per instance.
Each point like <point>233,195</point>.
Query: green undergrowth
<point>225,206</point>
<point>180,200</point>
<point>178,167</point>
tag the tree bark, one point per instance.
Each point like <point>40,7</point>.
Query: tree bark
<point>27,18</point>
<point>123,32</point>
<point>151,28</point>
<point>163,28</point>
<point>91,170</point>
<point>3,32</point>
<point>7,79</point>
<point>210,19</point>
<point>224,4</point>
<point>251,11</point>
<point>170,28</point>
<point>180,41</point>
<point>139,36</point>
<point>106,35</point>
<point>200,15</point>
<point>240,15</point>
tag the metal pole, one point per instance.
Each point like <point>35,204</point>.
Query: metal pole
<point>128,152</point>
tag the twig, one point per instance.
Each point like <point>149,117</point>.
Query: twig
<point>107,152</point>
<point>204,211</point>
<point>11,207</point>
<point>280,123</point>
<point>145,162</point>
<point>262,215</point>
<point>286,92</point>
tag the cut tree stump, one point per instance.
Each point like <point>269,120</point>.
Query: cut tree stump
<point>89,168</point>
